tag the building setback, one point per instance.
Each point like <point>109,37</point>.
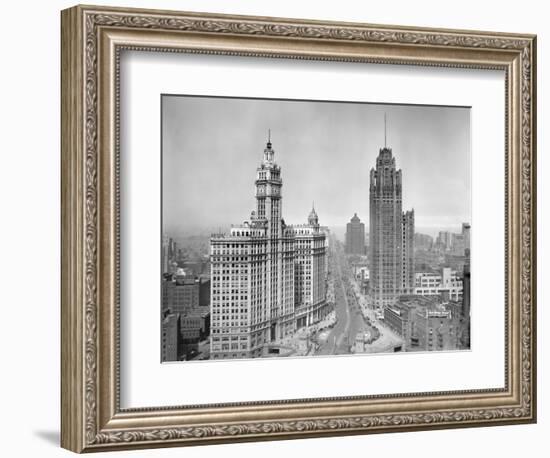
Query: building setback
<point>391,234</point>
<point>355,236</point>
<point>267,278</point>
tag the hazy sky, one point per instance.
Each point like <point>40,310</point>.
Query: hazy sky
<point>212,147</point>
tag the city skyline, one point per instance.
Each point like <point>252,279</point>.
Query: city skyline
<point>265,284</point>
<point>339,232</point>
<point>305,146</point>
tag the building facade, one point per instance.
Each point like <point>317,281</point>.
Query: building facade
<point>465,310</point>
<point>171,338</point>
<point>444,241</point>
<point>267,277</point>
<point>423,242</point>
<point>185,312</point>
<point>169,254</point>
<point>391,234</point>
<point>407,253</point>
<point>454,243</point>
<point>466,237</point>
<point>310,289</point>
<point>355,236</point>
<point>427,323</point>
<point>398,318</point>
<point>437,329</point>
<point>447,284</point>
<point>184,293</point>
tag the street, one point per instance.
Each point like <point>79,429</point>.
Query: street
<point>349,319</point>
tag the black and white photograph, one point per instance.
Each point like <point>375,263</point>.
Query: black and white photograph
<point>303,228</point>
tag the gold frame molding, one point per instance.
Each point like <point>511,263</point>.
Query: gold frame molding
<point>92,39</point>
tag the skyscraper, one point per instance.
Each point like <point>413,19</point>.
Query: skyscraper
<point>407,253</point>
<point>355,236</point>
<point>391,234</point>
<point>268,278</point>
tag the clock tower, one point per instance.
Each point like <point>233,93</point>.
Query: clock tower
<point>268,211</point>
<point>268,192</point>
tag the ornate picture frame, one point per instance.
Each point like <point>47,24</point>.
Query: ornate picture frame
<point>92,41</point>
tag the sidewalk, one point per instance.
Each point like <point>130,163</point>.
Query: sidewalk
<point>387,339</point>
<point>302,339</point>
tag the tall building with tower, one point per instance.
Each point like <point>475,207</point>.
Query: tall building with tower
<point>267,277</point>
<point>355,236</point>
<point>391,233</point>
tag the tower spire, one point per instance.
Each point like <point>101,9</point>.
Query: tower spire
<point>268,151</point>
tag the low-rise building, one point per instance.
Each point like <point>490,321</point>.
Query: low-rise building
<point>437,329</point>
<point>171,338</point>
<point>397,318</point>
<point>447,284</point>
<point>184,293</point>
<point>427,323</point>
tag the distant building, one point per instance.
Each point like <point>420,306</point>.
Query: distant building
<point>361,273</point>
<point>427,323</point>
<point>184,293</point>
<point>187,298</point>
<point>165,258</point>
<point>171,337</point>
<point>444,241</point>
<point>454,243</point>
<point>466,235</point>
<point>423,242</point>
<point>355,236</point>
<point>466,301</point>
<point>457,246</point>
<point>391,233</point>
<point>455,261</point>
<point>169,254</point>
<point>427,261</point>
<point>447,284</point>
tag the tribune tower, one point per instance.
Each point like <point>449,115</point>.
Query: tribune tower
<point>391,235</point>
